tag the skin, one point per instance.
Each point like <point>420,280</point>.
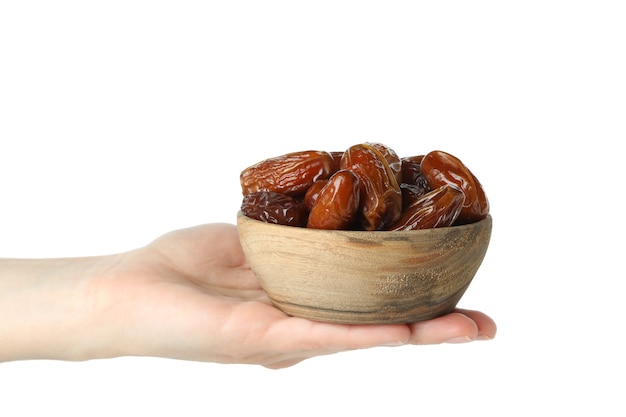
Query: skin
<point>187,295</point>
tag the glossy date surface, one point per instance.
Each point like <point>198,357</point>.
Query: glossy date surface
<point>311,194</point>
<point>337,203</point>
<point>291,174</point>
<point>441,168</point>
<point>381,197</point>
<point>414,183</point>
<point>437,208</point>
<point>366,187</point>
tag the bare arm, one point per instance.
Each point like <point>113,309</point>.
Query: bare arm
<point>187,295</point>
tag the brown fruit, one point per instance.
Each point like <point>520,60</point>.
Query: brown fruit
<point>292,173</point>
<point>441,168</point>
<point>380,195</point>
<point>271,207</point>
<point>337,203</point>
<point>438,208</point>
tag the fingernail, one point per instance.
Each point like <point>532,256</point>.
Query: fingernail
<point>459,339</point>
<point>394,343</point>
<point>483,337</point>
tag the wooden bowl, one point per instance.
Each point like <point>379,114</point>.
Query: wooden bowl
<point>364,277</point>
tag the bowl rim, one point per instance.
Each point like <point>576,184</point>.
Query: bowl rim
<point>361,233</point>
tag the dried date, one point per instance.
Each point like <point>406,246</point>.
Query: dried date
<point>441,168</point>
<point>392,158</point>
<point>291,174</point>
<point>337,155</point>
<point>312,193</point>
<point>366,187</point>
<point>414,183</point>
<point>412,171</point>
<point>336,205</point>
<point>438,208</point>
<point>271,207</point>
<point>380,195</point>
<point>410,194</point>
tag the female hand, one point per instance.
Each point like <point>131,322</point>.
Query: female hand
<point>191,295</point>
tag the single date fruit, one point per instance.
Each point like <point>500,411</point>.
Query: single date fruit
<point>381,198</point>
<point>438,208</point>
<point>441,168</point>
<point>392,158</point>
<point>271,207</point>
<point>312,193</point>
<point>292,173</point>
<point>336,205</point>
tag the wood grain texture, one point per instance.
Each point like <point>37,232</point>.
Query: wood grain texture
<point>364,277</point>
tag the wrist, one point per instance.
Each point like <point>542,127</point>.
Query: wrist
<point>49,308</point>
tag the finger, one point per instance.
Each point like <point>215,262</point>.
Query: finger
<point>304,335</point>
<point>486,325</point>
<point>317,339</point>
<point>283,364</point>
<point>455,327</point>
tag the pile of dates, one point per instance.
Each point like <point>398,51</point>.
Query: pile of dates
<point>366,187</point>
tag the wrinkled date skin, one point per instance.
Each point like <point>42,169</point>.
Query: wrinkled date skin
<point>438,208</point>
<point>337,203</point>
<point>410,193</point>
<point>271,207</point>
<point>366,187</point>
<point>411,170</point>
<point>291,174</point>
<point>392,158</point>
<point>414,183</point>
<point>440,168</point>
<point>381,198</point>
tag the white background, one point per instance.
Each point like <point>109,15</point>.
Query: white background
<point>123,120</point>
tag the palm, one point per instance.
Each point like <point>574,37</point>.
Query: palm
<point>210,258</point>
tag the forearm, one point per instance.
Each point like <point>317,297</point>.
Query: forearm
<point>47,308</point>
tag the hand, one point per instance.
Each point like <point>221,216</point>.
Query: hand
<point>188,295</point>
<point>194,297</point>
